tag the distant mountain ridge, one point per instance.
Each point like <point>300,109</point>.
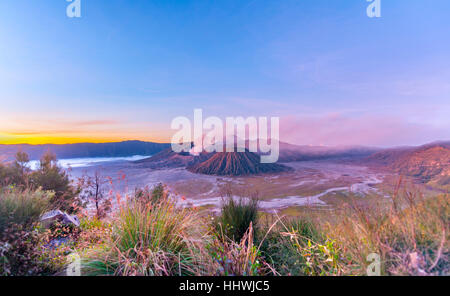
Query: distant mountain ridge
<point>290,152</point>
<point>81,150</point>
<point>429,163</point>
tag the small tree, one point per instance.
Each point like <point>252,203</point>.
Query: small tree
<point>92,189</point>
<point>147,195</point>
<point>4,175</point>
<point>51,177</point>
<point>21,161</point>
<point>16,173</point>
<point>21,168</point>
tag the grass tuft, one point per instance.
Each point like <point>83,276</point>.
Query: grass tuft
<point>236,217</point>
<point>150,239</point>
<point>22,207</point>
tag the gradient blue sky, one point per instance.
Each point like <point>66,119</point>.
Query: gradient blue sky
<point>125,69</point>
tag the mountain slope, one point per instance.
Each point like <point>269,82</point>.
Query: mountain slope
<point>235,164</point>
<point>430,162</point>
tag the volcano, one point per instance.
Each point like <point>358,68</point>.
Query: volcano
<point>236,164</point>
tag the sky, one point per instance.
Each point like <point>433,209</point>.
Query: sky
<point>126,69</point>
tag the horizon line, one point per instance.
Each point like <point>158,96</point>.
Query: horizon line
<point>157,142</point>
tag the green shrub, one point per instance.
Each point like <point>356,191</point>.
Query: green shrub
<point>236,216</point>
<point>149,239</point>
<point>49,177</point>
<point>280,246</point>
<point>22,250</point>
<point>22,207</point>
<point>87,224</point>
<point>305,229</point>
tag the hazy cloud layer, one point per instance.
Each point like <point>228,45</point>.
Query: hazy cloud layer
<point>337,129</point>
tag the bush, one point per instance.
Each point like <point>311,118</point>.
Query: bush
<point>149,239</point>
<point>10,176</point>
<point>51,177</point>
<point>22,250</point>
<point>25,253</point>
<point>280,247</point>
<point>22,207</point>
<point>18,252</point>
<point>236,217</point>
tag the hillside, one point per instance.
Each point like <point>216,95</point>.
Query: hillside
<point>113,149</point>
<point>170,159</point>
<point>430,162</point>
<point>289,152</point>
<point>235,164</point>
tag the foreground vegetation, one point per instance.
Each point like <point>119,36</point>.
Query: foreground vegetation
<point>149,234</point>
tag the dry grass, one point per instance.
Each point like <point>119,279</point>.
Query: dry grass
<point>22,207</point>
<point>411,236</point>
<point>151,239</point>
<point>241,258</point>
